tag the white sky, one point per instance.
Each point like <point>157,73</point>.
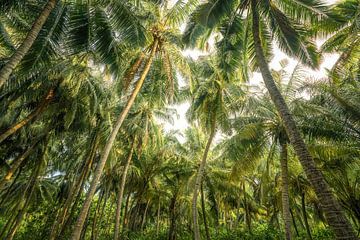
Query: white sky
<point>180,122</point>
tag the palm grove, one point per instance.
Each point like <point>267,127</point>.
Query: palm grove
<point>87,86</point>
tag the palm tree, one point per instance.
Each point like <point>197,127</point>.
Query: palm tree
<point>211,105</point>
<point>23,49</point>
<point>282,17</point>
<point>160,44</point>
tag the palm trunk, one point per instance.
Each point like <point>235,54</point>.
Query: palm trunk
<point>19,54</point>
<point>121,192</point>
<point>285,191</point>
<point>61,218</point>
<point>172,211</point>
<point>158,219</point>
<point>126,211</point>
<point>294,222</point>
<point>144,216</point>
<point>94,225</point>
<point>130,74</point>
<point>204,212</point>
<point>16,164</point>
<point>42,106</point>
<point>303,208</point>
<point>98,172</point>
<point>247,211</point>
<point>334,214</point>
<point>29,192</point>
<point>199,180</point>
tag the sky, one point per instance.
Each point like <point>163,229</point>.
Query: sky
<point>180,122</point>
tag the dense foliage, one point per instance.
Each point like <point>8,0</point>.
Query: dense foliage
<point>89,88</point>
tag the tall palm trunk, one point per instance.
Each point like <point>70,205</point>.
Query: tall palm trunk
<point>285,190</point>
<point>333,212</point>
<point>204,212</point>
<point>61,218</point>
<point>199,180</point>
<point>144,216</point>
<point>247,210</point>
<point>19,54</point>
<point>303,209</point>
<point>98,172</point>
<point>158,219</point>
<point>121,192</point>
<point>17,163</point>
<point>173,218</point>
<point>28,193</point>
<point>40,108</point>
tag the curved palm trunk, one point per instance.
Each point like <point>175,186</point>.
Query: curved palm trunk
<point>285,191</point>
<point>333,212</point>
<point>16,58</point>
<point>42,106</point>
<point>303,209</point>
<point>204,212</point>
<point>121,193</point>
<point>198,183</point>
<point>98,172</point>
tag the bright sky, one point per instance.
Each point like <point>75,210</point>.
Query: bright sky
<point>329,60</point>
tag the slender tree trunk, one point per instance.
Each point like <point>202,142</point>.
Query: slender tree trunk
<point>19,54</point>
<point>41,107</point>
<point>303,208</point>
<point>16,164</point>
<point>126,211</point>
<point>29,192</point>
<point>130,74</point>
<point>94,225</point>
<point>144,216</point>
<point>77,186</point>
<point>294,222</point>
<point>199,180</point>
<point>247,210</point>
<point>172,211</point>
<point>121,192</point>
<point>334,214</point>
<point>98,172</point>
<point>204,212</point>
<point>285,190</point>
<point>158,219</point>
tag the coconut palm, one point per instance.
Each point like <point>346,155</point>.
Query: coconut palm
<point>285,21</point>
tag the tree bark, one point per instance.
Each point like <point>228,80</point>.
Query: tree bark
<point>29,191</point>
<point>98,172</point>
<point>199,180</point>
<point>172,211</point>
<point>247,211</point>
<point>303,209</point>
<point>121,192</point>
<point>158,219</point>
<point>144,216</point>
<point>204,212</point>
<point>333,212</point>
<point>19,54</point>
<point>294,222</point>
<point>61,218</point>
<point>285,190</point>
<point>17,163</point>
<point>41,107</point>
